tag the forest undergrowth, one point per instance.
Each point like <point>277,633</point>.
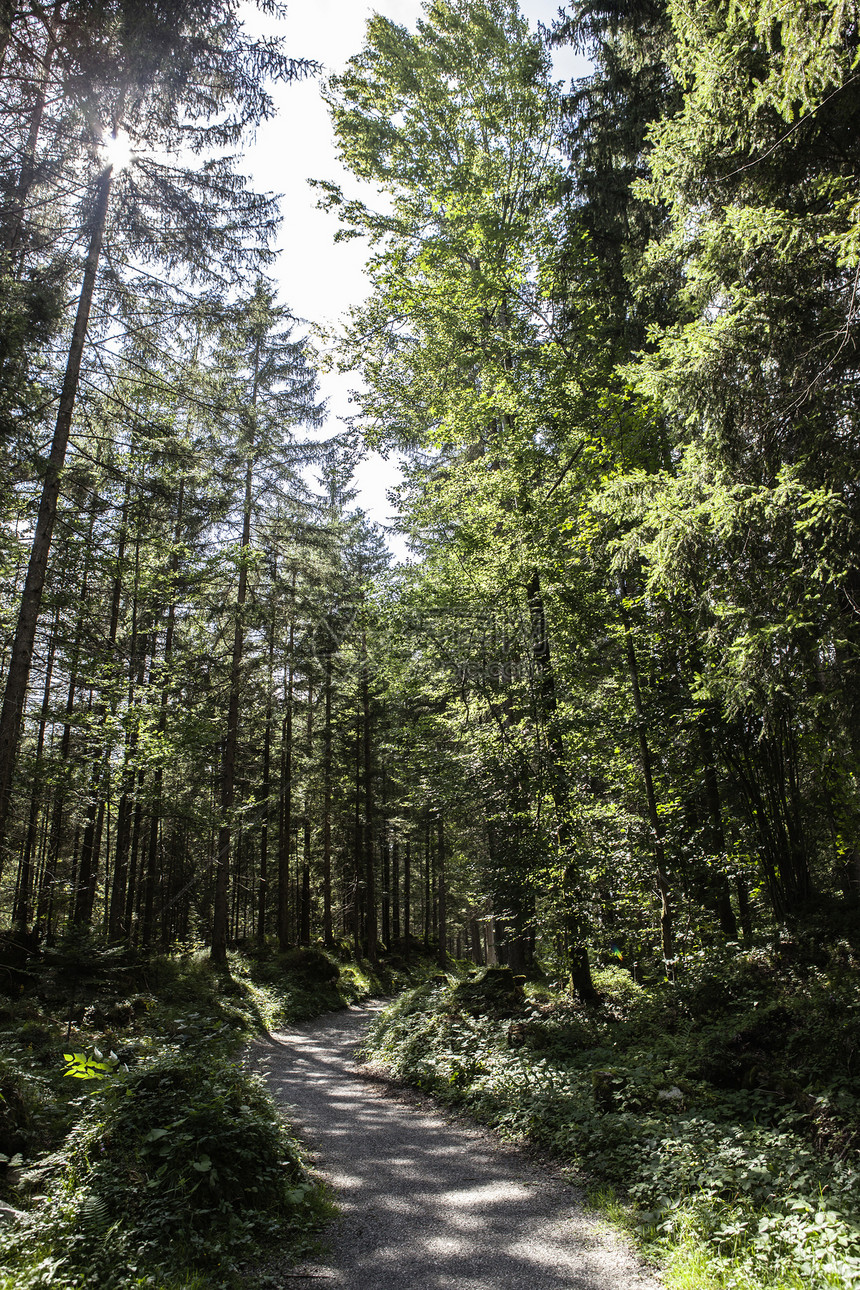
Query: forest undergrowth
<point>716,1117</point>
<point>136,1149</point>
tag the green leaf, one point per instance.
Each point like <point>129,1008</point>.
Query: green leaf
<point>79,1066</point>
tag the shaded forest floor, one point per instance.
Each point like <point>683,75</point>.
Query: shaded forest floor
<point>716,1117</point>
<point>135,1147</point>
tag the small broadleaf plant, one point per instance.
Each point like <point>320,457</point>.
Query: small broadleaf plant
<point>79,1066</point>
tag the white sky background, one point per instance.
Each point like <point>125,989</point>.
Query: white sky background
<point>319,280</point>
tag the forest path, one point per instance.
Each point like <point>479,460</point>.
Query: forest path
<point>427,1203</point>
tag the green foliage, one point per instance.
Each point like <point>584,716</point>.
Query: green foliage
<point>721,1108</point>
<point>493,990</point>
<point>79,1066</point>
<point>160,1157</point>
<point>183,1161</point>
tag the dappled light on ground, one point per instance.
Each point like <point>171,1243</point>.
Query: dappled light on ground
<point>427,1204</point>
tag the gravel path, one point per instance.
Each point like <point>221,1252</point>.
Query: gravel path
<point>428,1203</point>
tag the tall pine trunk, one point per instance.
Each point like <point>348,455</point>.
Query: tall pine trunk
<point>328,937</point>
<point>370,924</point>
<point>220,914</point>
<point>266,787</point>
<point>442,888</point>
<point>577,950</point>
<point>91,844</point>
<point>407,895</point>
<point>24,888</point>
<point>719,882</point>
<point>657,836</point>
<point>286,796</point>
<point>18,677</point>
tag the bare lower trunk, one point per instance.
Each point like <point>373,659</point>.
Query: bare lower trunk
<point>407,894</point>
<point>23,902</point>
<point>221,912</point>
<point>442,889</point>
<point>263,883</point>
<point>719,881</point>
<point>666,928</point>
<point>328,937</point>
<point>286,803</point>
<point>574,940</point>
<point>395,889</point>
<point>475,939</point>
<point>371,930</point>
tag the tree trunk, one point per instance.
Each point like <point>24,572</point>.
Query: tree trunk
<point>407,895</point>
<point>385,857</point>
<point>31,599</point>
<point>666,929</point>
<point>305,929</point>
<point>122,893</point>
<point>475,938</point>
<point>395,889</point>
<point>263,877</point>
<point>91,844</point>
<point>577,951</point>
<point>220,913</point>
<point>357,907</point>
<point>286,797</point>
<point>720,885</point>
<point>60,796</point>
<point>328,937</point>
<point>23,902</point>
<point>442,933</point>
<point>371,930</point>
<point>428,903</point>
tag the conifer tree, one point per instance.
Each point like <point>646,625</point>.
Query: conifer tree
<point>154,75</point>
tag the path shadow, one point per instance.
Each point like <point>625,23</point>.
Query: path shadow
<point>426,1204</point>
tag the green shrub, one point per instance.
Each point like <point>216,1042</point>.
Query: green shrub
<point>178,1163</point>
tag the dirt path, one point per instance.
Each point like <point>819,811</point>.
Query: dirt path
<point>427,1204</point>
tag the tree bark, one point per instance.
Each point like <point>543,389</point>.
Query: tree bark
<point>442,949</point>
<point>18,678</point>
<point>395,889</point>
<point>475,939</point>
<point>263,877</point>
<point>286,797</point>
<point>577,950</point>
<point>23,901</point>
<point>221,912</point>
<point>666,927</point>
<point>328,937</point>
<point>122,892</point>
<point>91,843</point>
<point>371,929</point>
<point>407,895</point>
<point>305,928</point>
<point>719,882</point>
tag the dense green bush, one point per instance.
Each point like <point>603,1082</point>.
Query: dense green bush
<point>182,1162</point>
